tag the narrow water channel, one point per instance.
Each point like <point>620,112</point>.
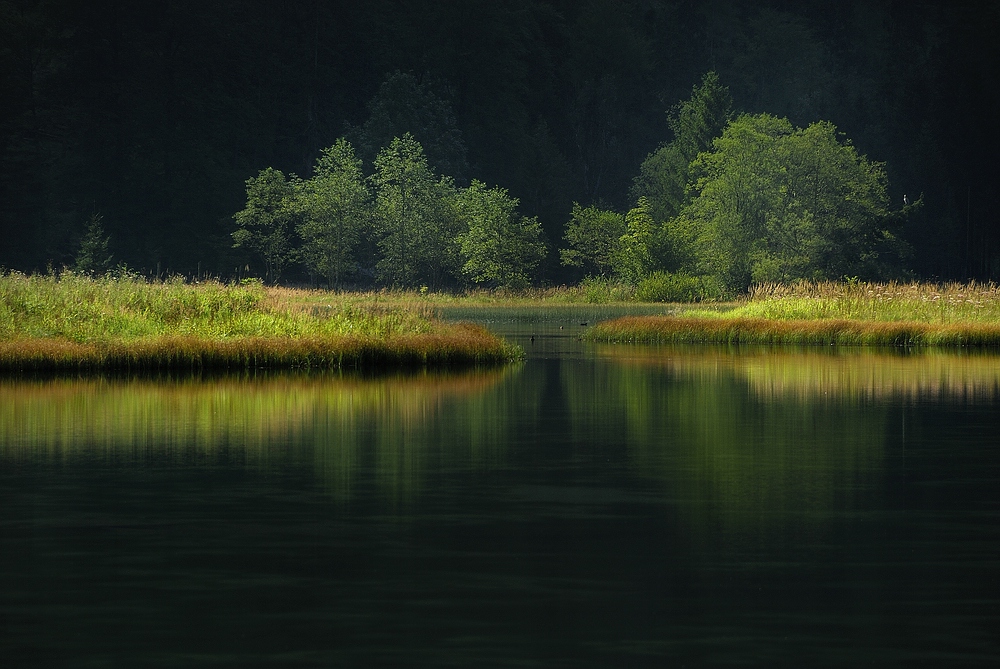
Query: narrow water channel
<point>602,506</point>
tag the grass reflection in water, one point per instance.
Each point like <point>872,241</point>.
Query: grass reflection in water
<point>335,423</point>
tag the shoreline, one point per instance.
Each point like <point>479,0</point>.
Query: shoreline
<point>459,345</point>
<point>748,330</point>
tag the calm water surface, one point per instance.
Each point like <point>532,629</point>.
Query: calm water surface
<point>594,506</point>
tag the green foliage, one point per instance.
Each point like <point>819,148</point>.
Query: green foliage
<point>592,236</point>
<point>633,257</point>
<point>415,217</point>
<point>677,287</point>
<point>600,290</point>
<point>776,203</point>
<point>665,174</point>
<point>405,105</point>
<point>500,247</point>
<point>263,225</point>
<point>93,256</point>
<point>334,205</point>
<point>74,321</point>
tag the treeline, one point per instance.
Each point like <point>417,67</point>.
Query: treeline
<point>732,200</point>
<point>153,115</point>
<point>735,200</point>
<point>402,226</point>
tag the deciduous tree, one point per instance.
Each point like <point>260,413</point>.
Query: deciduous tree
<point>592,237</point>
<point>776,203</point>
<point>416,224</point>
<point>500,247</point>
<point>334,204</point>
<point>263,226</point>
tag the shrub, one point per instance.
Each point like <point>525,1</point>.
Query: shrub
<point>677,287</point>
<point>599,290</point>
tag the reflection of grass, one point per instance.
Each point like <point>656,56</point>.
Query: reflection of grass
<point>391,425</point>
<point>831,313</point>
<point>62,414</point>
<point>783,373</point>
<point>126,323</point>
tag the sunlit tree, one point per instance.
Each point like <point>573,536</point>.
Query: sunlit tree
<point>334,205</point>
<point>415,220</point>
<point>592,237</point>
<point>777,203</point>
<point>633,258</point>
<point>264,225</point>
<point>665,174</point>
<point>500,247</point>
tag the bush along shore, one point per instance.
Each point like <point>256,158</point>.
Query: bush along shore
<point>850,314</point>
<point>73,322</point>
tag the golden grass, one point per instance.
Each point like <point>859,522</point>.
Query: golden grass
<point>853,313</point>
<point>74,322</point>
<point>742,330</point>
<point>953,303</point>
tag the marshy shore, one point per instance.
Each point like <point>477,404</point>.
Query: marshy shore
<point>74,322</point>
<point>849,314</point>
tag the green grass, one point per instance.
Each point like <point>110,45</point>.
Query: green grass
<point>854,313</point>
<point>125,322</point>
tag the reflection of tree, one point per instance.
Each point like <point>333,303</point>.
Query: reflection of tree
<point>699,426</point>
<point>393,427</point>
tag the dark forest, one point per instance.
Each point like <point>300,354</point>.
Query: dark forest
<point>154,115</point>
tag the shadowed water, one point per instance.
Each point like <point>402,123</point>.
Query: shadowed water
<point>593,506</point>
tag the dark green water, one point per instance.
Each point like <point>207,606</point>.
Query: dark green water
<point>593,506</point>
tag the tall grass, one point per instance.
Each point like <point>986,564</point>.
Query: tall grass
<point>853,313</point>
<point>952,303</point>
<point>73,321</point>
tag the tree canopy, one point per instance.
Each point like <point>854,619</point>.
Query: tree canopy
<point>778,203</point>
<point>335,213</point>
<point>500,246</point>
<point>156,114</point>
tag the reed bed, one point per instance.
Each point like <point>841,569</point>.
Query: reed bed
<point>854,314</point>
<point>124,322</point>
<point>952,303</point>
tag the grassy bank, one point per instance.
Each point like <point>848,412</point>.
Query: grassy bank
<point>74,322</point>
<point>829,313</point>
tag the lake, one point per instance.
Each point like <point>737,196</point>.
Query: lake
<point>605,506</point>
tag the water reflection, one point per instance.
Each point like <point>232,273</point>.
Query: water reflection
<point>592,507</point>
<point>392,426</point>
<point>758,433</point>
<point>809,373</point>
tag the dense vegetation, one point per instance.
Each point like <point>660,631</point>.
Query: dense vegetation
<point>418,229</point>
<point>153,116</point>
<point>853,313</point>
<point>124,322</point>
<point>730,202</point>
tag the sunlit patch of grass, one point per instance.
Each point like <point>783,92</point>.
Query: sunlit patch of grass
<point>853,313</point>
<point>742,330</point>
<point>951,303</point>
<point>73,321</point>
